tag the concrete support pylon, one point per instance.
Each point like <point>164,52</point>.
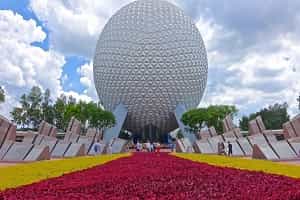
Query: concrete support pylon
<point>120,114</point>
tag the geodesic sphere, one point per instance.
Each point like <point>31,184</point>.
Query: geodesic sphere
<point>150,56</point>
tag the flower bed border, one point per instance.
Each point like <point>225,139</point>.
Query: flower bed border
<point>244,164</point>
<point>27,173</point>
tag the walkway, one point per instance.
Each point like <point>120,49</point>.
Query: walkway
<point>160,176</point>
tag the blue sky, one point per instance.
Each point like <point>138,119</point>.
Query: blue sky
<point>253,48</point>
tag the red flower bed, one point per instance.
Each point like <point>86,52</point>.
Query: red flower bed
<point>160,176</point>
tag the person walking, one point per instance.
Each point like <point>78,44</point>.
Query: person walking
<point>139,146</point>
<point>97,147</point>
<point>109,148</point>
<point>157,147</point>
<point>173,145</point>
<point>152,146</point>
<point>229,149</point>
<point>148,146</point>
<point>221,148</point>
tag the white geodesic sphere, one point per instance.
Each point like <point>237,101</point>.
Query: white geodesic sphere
<point>150,56</point>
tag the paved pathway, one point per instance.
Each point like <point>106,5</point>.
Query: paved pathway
<point>160,176</point>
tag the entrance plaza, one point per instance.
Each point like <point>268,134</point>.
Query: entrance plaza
<point>44,167</point>
<point>147,138</point>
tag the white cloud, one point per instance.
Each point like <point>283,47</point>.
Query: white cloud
<point>259,79</point>
<point>75,25</point>
<point>78,96</point>
<point>23,65</point>
<point>65,78</point>
<point>251,78</point>
<point>210,32</point>
<point>29,31</point>
<point>87,80</point>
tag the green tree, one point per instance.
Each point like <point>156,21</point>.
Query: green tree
<point>216,113</point>
<point>103,119</point>
<point>97,117</point>
<point>2,95</point>
<point>25,109</point>
<point>273,116</point>
<point>30,114</point>
<point>47,108</point>
<point>59,108</point>
<point>34,112</point>
<point>195,118</point>
<point>210,116</point>
<point>243,122</point>
<point>91,113</point>
<point>71,110</point>
<point>37,106</point>
<point>71,100</point>
<point>18,116</point>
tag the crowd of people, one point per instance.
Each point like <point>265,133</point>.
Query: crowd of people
<point>97,147</point>
<point>155,147</point>
<point>148,146</point>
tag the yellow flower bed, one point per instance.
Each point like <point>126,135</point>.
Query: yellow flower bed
<point>23,174</point>
<point>243,163</point>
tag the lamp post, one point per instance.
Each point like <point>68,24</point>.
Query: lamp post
<point>298,99</point>
<point>294,69</point>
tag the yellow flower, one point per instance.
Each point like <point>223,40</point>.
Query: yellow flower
<point>244,163</point>
<point>23,174</point>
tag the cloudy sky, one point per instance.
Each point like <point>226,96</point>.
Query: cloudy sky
<point>253,48</point>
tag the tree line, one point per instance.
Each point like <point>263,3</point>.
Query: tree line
<point>37,106</point>
<point>273,116</point>
<point>210,116</point>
